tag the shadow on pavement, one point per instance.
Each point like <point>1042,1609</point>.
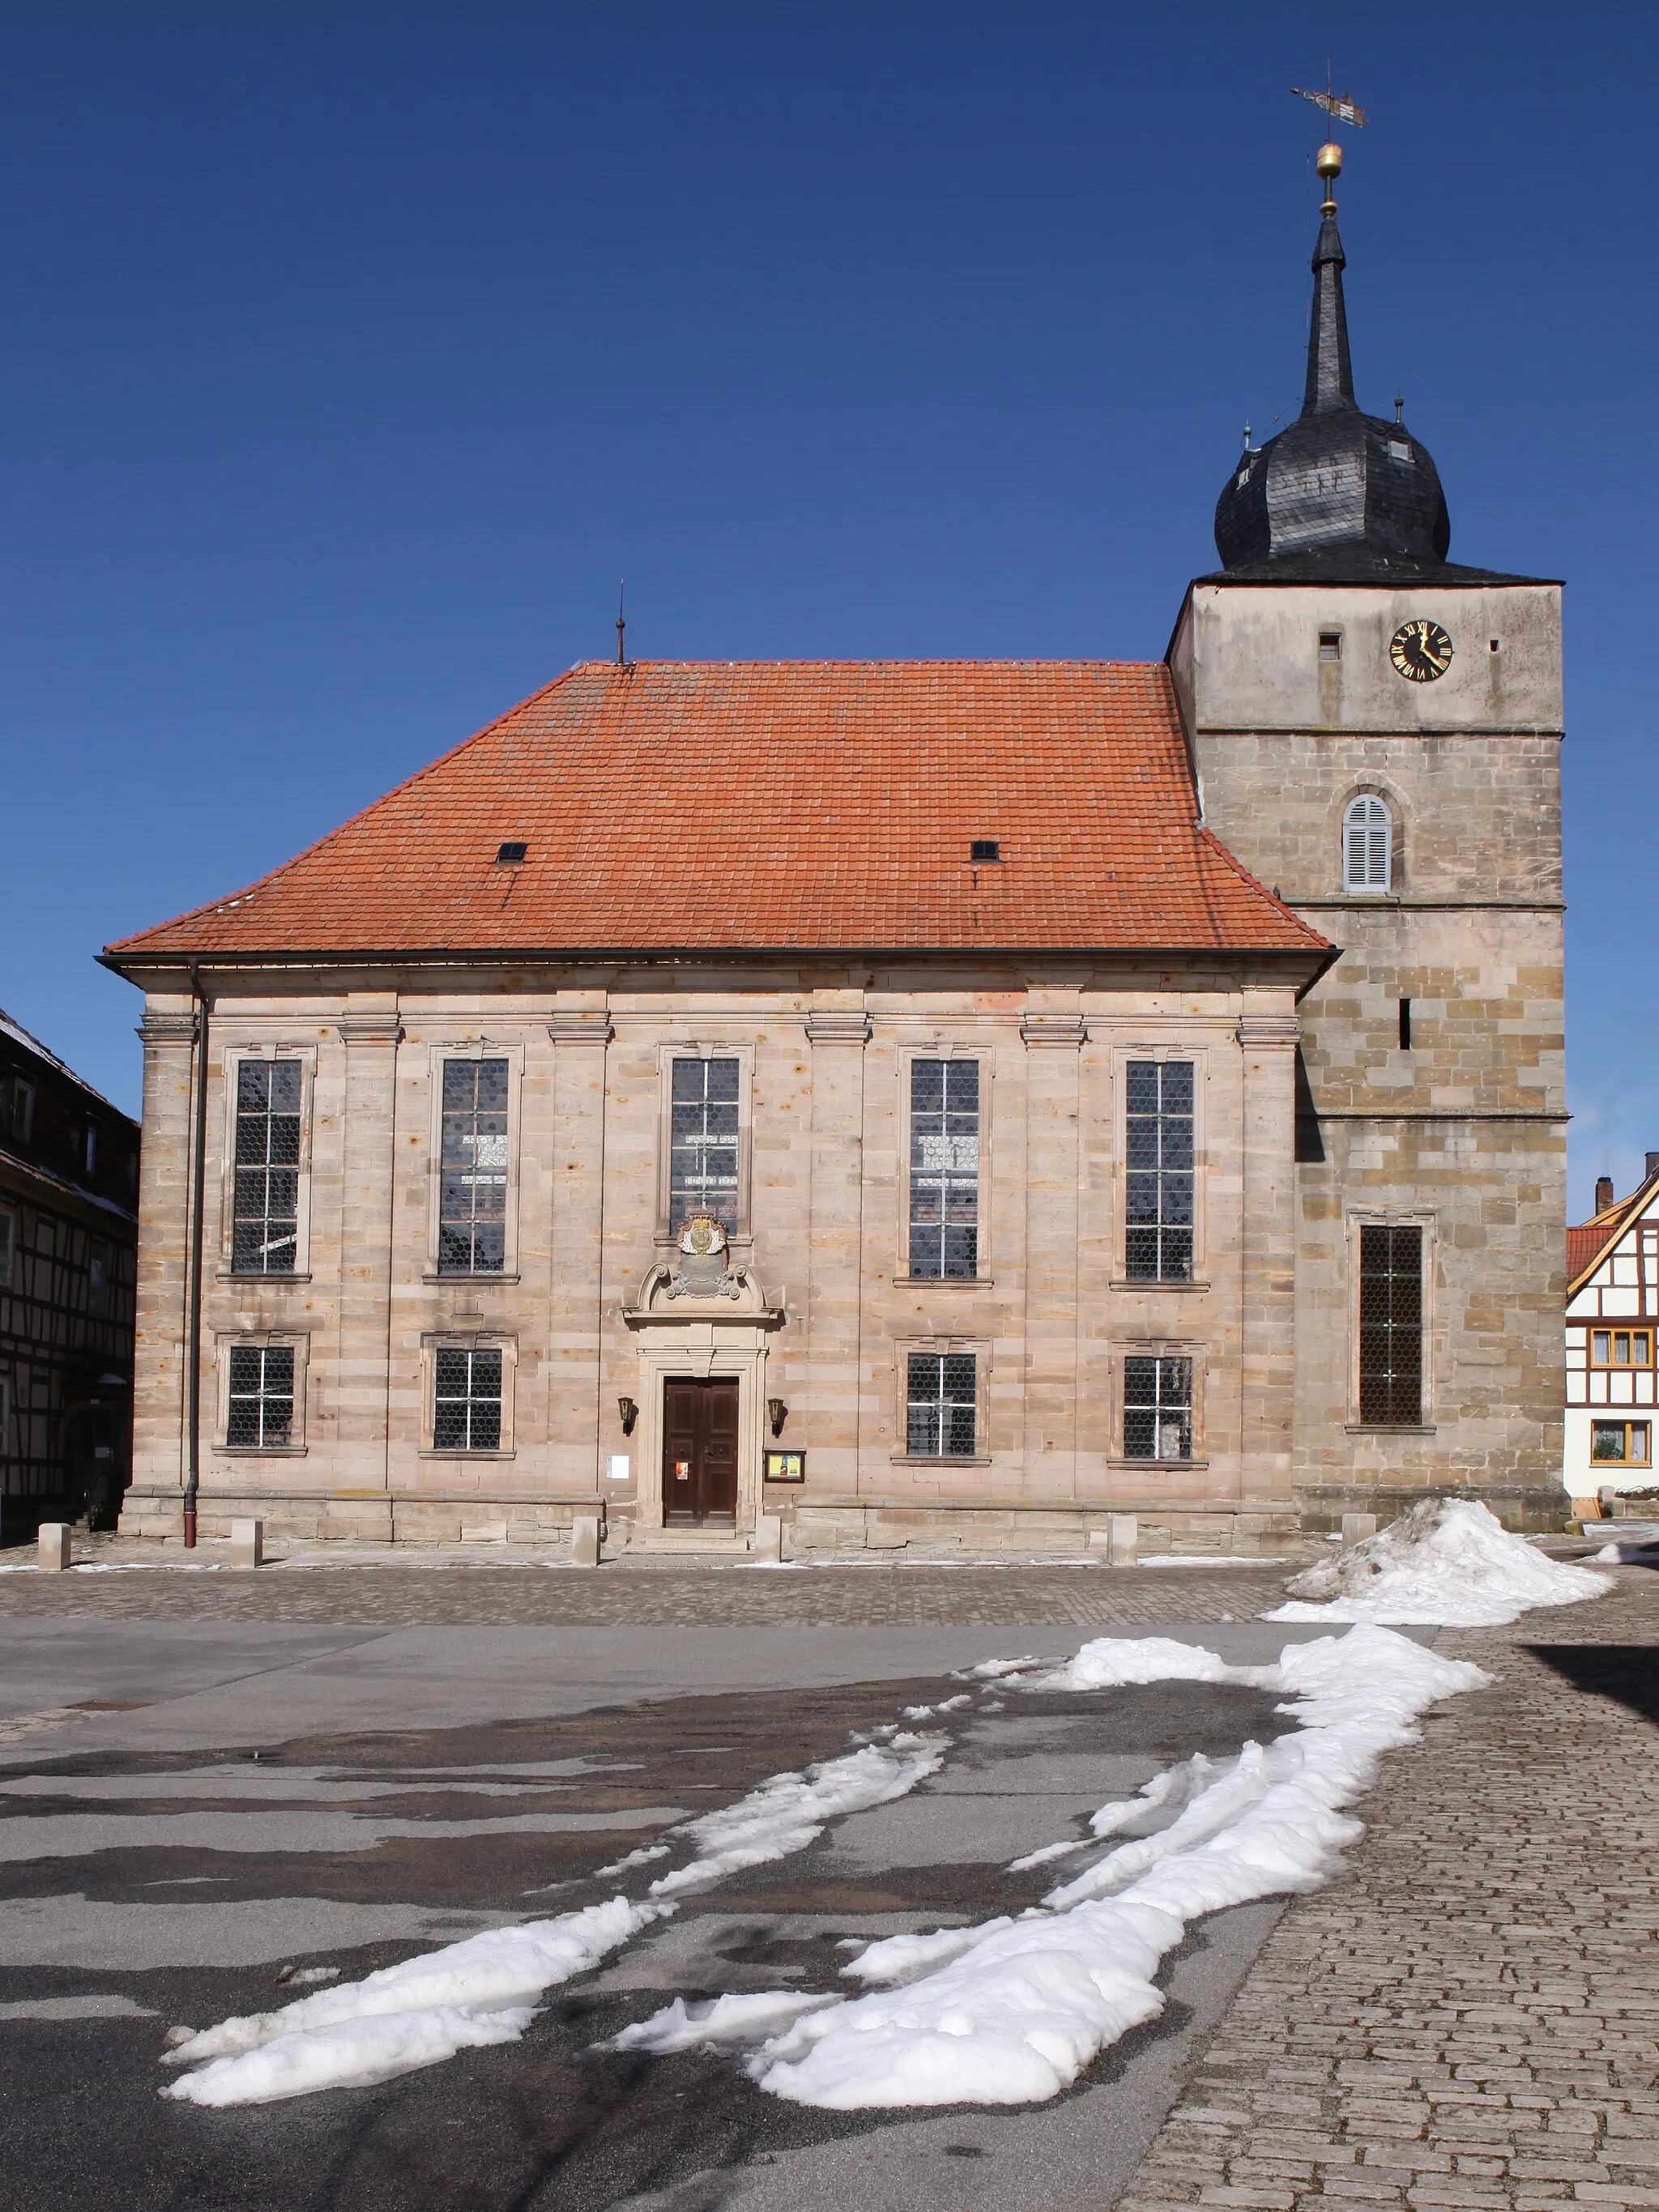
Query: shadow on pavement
<point>1629,1673</point>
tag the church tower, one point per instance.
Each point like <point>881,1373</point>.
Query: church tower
<point>1376,733</point>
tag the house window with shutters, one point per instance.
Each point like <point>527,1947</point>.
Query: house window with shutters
<point>1367,847</point>
<point>1390,1325</point>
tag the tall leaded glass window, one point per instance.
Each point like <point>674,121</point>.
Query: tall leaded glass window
<point>945,1168</point>
<point>1157,1409</point>
<point>1367,838</point>
<point>940,1405</point>
<point>702,1160</point>
<point>1158,1183</point>
<point>466,1404</point>
<point>266,1197</point>
<point>261,1414</point>
<point>472,1169</point>
<point>1390,1325</point>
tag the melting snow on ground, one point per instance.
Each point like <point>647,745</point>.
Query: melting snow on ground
<point>1448,1560</point>
<point>485,1989</point>
<point>1011,2011</point>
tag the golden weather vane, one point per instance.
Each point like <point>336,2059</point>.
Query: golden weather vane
<point>1336,105</point>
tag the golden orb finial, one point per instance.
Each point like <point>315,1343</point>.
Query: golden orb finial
<point>1327,161</point>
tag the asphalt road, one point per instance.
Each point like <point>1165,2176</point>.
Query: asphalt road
<point>188,1809</point>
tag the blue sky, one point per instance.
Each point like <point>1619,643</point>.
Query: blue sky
<point>353,352</point>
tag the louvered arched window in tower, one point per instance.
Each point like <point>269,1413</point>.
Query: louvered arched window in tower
<point>1367,845</point>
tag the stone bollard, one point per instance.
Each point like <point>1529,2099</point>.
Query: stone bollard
<point>1606,1500</point>
<point>585,1540</point>
<point>768,1538</point>
<point>248,1543</point>
<point>1355,1527</point>
<point>52,1546</point>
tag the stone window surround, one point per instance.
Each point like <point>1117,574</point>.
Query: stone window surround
<point>742,1238</point>
<point>438,1052</point>
<point>230,1060</point>
<point>1156,1347</point>
<point>297,1340</point>
<point>906,1056</point>
<point>1371,787</point>
<point>980,1349</point>
<point>1384,1216</point>
<point>434,1341</point>
<point>1199,1053</point>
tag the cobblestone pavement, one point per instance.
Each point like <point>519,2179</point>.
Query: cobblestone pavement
<point>1472,2021</point>
<point>736,1597</point>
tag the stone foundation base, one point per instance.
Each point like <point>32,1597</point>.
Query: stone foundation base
<point>349,1517</point>
<point>1246,1529</point>
<point>1542,1511</point>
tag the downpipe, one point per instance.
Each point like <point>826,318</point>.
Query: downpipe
<point>193,1327</point>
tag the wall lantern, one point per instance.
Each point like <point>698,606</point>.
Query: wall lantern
<point>631,1414</point>
<point>777,1412</point>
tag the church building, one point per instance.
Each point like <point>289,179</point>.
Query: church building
<point>937,1104</point>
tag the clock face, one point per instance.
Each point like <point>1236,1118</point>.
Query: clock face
<point>1420,650</point>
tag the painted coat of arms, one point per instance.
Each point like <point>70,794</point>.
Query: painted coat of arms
<point>703,1255</point>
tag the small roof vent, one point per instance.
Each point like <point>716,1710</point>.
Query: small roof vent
<point>508,855</point>
<point>984,848</point>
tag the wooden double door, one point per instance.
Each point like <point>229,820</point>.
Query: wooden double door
<point>699,1449</point>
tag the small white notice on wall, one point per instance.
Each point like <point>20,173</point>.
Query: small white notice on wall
<point>620,1468</point>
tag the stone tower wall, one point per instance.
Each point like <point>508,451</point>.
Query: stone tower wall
<point>1464,1132</point>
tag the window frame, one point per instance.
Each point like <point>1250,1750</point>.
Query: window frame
<point>1614,1365</point>
<point>19,1113</point>
<point>1628,1427</point>
<point>698,1048</point>
<point>230,1066</point>
<point>438,1056</point>
<point>946,1062</point>
<point>1196,1352</point>
<point>278,1340</point>
<point>1426,1222</point>
<point>976,1348</point>
<point>907,1055</point>
<point>1365,796</point>
<point>1199,1055</point>
<point>453,1339</point>
<point>10,1224</point>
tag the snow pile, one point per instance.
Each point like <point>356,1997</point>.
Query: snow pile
<point>1447,1560</point>
<point>485,1989</point>
<point>1010,2011</point>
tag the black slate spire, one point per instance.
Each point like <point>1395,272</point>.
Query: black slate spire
<point>1330,376</point>
<point>1337,495</point>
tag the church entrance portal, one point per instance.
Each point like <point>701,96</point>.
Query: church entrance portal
<point>699,1450</point>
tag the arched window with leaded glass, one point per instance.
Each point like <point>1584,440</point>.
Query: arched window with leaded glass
<point>1367,845</point>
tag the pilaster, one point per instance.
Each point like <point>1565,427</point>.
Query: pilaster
<point>581,1428</point>
<point>371,1031</point>
<point>838,1028</point>
<point>1053,1035</point>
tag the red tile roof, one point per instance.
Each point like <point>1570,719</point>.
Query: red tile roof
<point>1589,1242</point>
<point>772,804</point>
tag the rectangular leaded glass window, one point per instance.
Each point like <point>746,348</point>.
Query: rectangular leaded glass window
<point>1157,1409</point>
<point>261,1396</point>
<point>472,1201</point>
<point>945,1168</point>
<point>266,1217</point>
<point>1158,1183</point>
<point>1390,1325</point>
<point>702,1163</point>
<point>941,1405</point>
<point>466,1409</point>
